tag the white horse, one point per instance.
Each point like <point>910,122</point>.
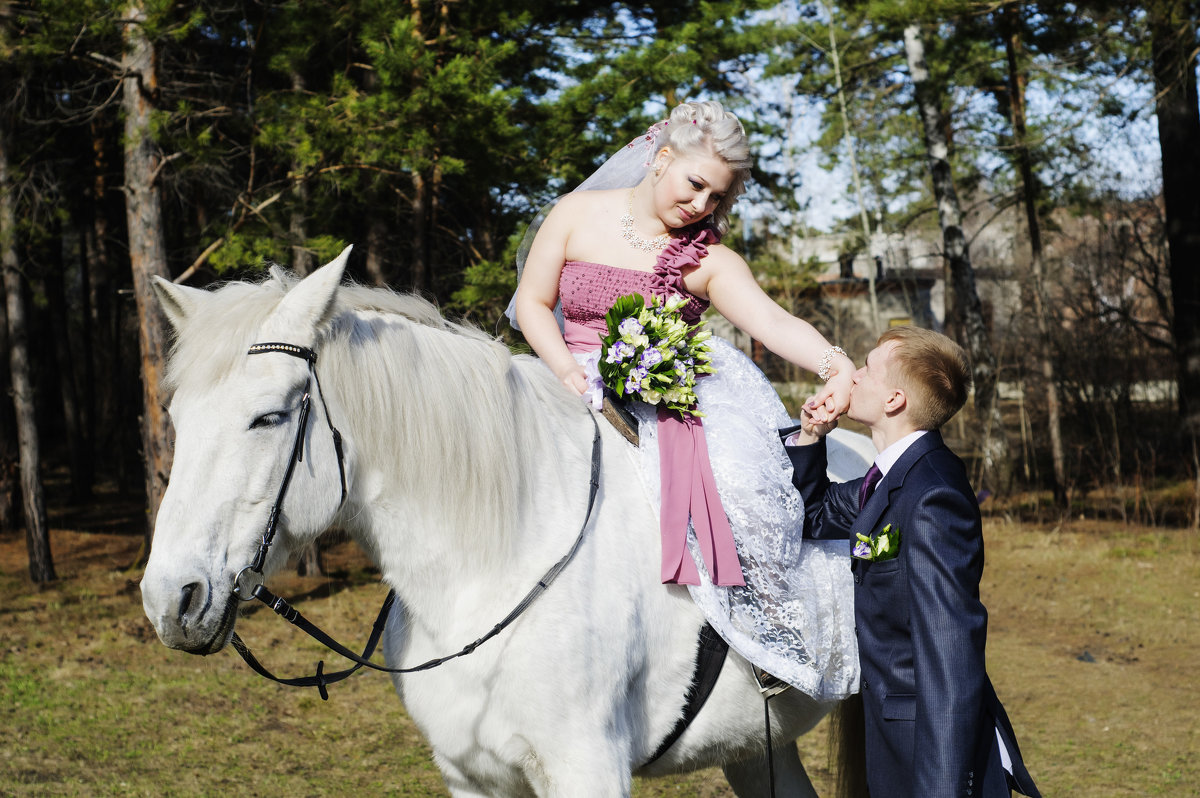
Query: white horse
<point>467,476</point>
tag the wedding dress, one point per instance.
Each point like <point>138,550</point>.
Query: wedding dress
<point>794,617</point>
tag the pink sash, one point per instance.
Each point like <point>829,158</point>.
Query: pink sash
<point>688,488</point>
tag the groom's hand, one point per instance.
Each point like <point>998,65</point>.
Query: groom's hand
<point>811,430</point>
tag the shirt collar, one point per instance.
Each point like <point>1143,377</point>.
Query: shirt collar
<point>888,457</point>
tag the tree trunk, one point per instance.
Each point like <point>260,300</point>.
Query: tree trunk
<point>376,241</point>
<point>78,447</point>
<point>1173,37</point>
<point>1029,191</point>
<point>303,261</point>
<point>87,349</point>
<point>418,266</point>
<point>37,532</point>
<point>965,312</point>
<point>10,464</point>
<point>104,310</point>
<point>147,250</point>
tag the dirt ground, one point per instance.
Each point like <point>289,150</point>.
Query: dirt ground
<point>1093,647</point>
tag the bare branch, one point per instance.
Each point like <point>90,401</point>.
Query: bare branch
<point>108,61</point>
<point>203,257</point>
<point>158,169</point>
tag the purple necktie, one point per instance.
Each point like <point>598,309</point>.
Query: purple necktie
<point>869,483</point>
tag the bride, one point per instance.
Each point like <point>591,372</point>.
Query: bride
<point>650,221</point>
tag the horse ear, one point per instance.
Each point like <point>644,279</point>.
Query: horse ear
<point>179,302</point>
<point>310,304</point>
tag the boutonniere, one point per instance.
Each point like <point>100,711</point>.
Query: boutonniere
<point>876,548</point>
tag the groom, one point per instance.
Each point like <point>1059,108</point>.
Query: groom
<point>934,726</point>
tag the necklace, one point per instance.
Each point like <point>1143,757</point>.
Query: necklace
<point>635,240</point>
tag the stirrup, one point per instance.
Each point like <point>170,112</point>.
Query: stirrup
<point>770,686</point>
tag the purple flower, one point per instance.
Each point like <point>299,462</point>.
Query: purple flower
<point>650,358</point>
<point>619,352</point>
<point>631,326</point>
<point>862,550</point>
<point>633,383</point>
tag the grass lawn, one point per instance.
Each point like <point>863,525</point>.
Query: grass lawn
<point>1093,646</point>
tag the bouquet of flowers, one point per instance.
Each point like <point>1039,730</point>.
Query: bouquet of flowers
<point>652,354</point>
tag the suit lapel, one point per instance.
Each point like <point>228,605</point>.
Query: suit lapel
<point>881,499</point>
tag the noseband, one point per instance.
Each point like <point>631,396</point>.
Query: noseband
<point>260,558</point>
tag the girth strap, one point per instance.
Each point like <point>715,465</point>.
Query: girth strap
<point>710,658</point>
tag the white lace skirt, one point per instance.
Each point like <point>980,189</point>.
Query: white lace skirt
<point>795,616</point>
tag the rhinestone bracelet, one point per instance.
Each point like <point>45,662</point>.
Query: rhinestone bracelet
<point>826,361</point>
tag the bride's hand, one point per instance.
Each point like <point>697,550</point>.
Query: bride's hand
<point>833,400</point>
<point>575,380</point>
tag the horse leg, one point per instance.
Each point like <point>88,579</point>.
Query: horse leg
<point>460,789</point>
<point>458,783</point>
<point>579,776</point>
<point>749,779</point>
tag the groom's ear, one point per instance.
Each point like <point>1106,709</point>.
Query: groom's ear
<point>895,402</point>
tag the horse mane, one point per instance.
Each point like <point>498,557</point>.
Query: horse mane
<point>215,340</point>
<point>443,408</point>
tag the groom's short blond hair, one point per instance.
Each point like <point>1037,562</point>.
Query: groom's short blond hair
<point>932,370</point>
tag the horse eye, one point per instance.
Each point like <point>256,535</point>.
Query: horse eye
<point>267,420</point>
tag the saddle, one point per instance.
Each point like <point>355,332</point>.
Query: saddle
<point>616,410</point>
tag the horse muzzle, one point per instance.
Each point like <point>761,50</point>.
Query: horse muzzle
<point>195,618</point>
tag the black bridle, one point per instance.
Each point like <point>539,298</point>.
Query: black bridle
<point>320,679</point>
<point>310,357</point>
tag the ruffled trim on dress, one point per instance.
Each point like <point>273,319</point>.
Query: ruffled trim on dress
<point>682,252</point>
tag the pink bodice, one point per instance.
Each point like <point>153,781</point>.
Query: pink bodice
<point>588,290</point>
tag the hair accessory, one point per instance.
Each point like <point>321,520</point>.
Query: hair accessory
<point>635,240</point>
<point>649,137</point>
<point>826,361</point>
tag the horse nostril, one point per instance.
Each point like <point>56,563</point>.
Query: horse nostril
<point>186,596</point>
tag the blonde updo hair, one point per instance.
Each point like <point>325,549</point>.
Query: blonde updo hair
<point>704,128</point>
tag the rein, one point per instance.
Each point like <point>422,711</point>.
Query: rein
<point>280,606</point>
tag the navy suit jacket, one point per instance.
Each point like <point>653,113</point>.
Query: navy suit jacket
<point>931,712</point>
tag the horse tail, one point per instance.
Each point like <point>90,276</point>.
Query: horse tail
<point>848,747</point>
